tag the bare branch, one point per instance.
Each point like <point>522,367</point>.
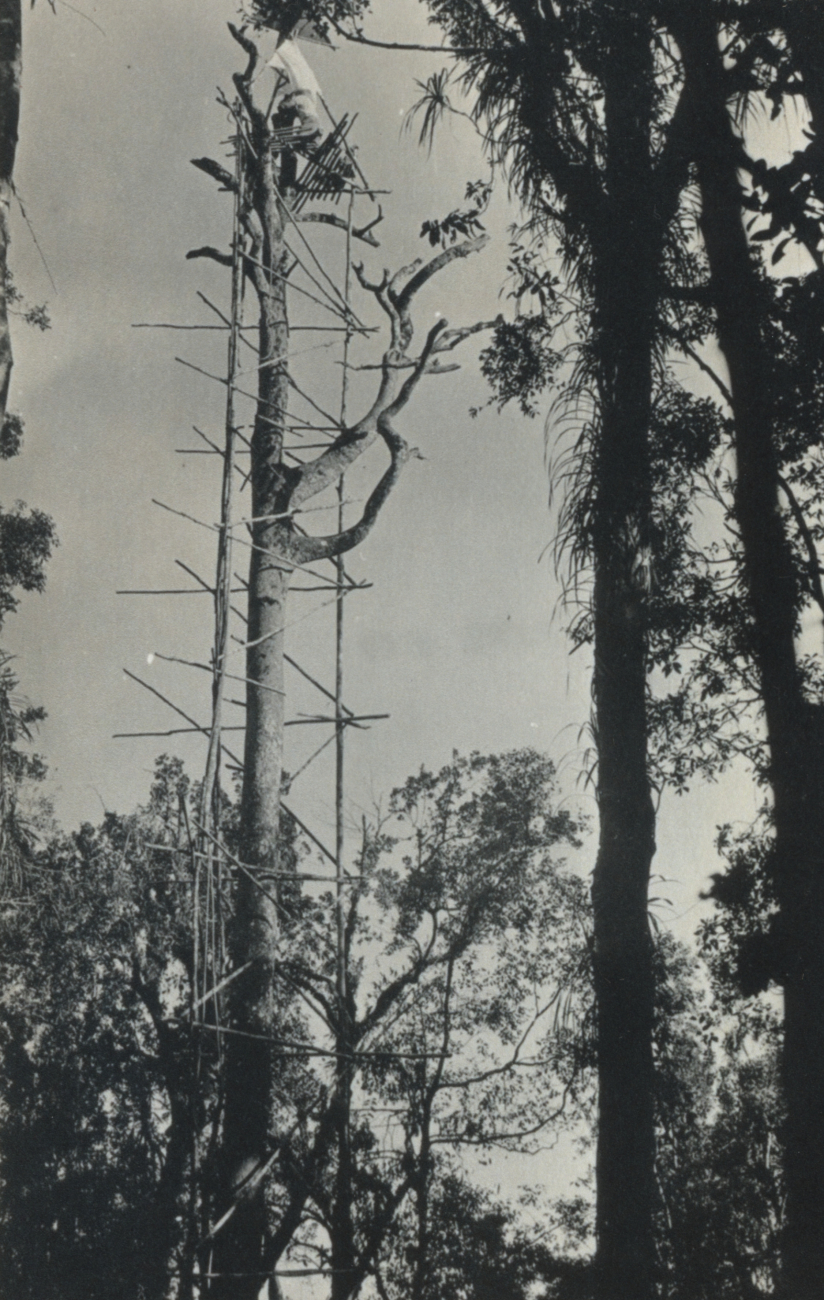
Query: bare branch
<point>218,173</point>
<point>367,284</point>
<point>325,547</point>
<point>357,38</point>
<point>327,468</point>
<point>491,1139</point>
<point>321,548</point>
<point>447,341</point>
<point>370,225</point>
<point>243,80</point>
<point>207,251</point>
<point>451,338</point>
<point>437,264</point>
<point>411,382</point>
<point>247,44</point>
<point>363,233</point>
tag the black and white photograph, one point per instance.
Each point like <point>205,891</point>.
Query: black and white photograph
<point>412,650</point>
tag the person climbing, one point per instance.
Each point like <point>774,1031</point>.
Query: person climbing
<point>297,100</point>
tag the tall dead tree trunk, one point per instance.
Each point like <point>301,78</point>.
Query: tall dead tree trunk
<point>251,1060</point>
<point>247,1245</point>
<point>10,67</point>
<point>795,727</point>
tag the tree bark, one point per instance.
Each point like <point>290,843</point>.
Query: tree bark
<point>616,203</point>
<point>794,726</point>
<point>342,1227</point>
<point>625,264</point>
<point>10,68</point>
<point>251,1066</point>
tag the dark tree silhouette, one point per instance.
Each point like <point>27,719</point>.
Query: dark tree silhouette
<point>795,723</point>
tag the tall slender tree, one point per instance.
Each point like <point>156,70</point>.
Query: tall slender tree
<point>795,724</point>
<point>243,1247</point>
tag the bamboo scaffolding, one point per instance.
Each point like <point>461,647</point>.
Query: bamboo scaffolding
<point>211,867</point>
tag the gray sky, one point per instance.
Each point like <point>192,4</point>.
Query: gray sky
<point>459,638</point>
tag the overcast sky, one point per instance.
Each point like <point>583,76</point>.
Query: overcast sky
<point>459,638</point>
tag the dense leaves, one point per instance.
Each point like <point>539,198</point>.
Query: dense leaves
<point>92,1078</point>
<point>469,1012</point>
<point>26,541</point>
<point>520,363</point>
<point>478,1250</point>
<point>27,537</point>
<point>467,979</point>
<point>104,1098</point>
<point>462,223</point>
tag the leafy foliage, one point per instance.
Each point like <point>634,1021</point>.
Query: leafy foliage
<point>98,1089</point>
<point>462,222</point>
<point>464,1020</point>
<point>479,1251</point>
<point>27,537</point>
<point>723,1192</point>
<point>741,942</point>
<point>26,541</point>
<point>20,768</point>
<point>34,314</point>
<point>11,436</point>
<point>468,1012</point>
<point>519,364</point>
<point>92,1077</point>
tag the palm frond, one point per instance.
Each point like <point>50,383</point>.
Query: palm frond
<point>433,104</point>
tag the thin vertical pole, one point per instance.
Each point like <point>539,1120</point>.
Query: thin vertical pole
<point>208,907</point>
<point>342,1243</point>
<point>223,580</point>
<point>340,726</point>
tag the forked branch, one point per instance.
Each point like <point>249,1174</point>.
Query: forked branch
<point>316,548</point>
<point>395,298</point>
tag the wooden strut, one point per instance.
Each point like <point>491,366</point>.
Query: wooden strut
<point>223,579</point>
<point>302,1050</point>
<point>290,722</point>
